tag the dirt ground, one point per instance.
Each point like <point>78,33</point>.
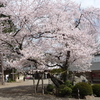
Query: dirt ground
<point>25,91</point>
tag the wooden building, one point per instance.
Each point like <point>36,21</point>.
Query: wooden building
<point>94,75</point>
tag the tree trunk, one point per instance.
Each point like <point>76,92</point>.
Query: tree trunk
<point>56,81</point>
<point>42,85</point>
<point>73,78</point>
<point>39,77</point>
<point>34,87</point>
<point>67,72</point>
<point>1,69</point>
<point>3,78</point>
<point>37,84</point>
<point>13,74</point>
<point>66,65</point>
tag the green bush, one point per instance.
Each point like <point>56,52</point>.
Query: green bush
<point>84,89</point>
<point>68,83</point>
<point>96,89</point>
<point>56,71</point>
<point>10,80</point>
<point>89,82</point>
<point>64,90</point>
<point>64,74</point>
<point>50,88</point>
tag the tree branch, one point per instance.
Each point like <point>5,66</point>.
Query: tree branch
<point>78,22</point>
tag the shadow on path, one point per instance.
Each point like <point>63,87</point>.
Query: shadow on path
<point>19,91</point>
<point>25,93</point>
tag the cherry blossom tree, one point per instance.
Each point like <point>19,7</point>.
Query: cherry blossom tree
<point>50,33</point>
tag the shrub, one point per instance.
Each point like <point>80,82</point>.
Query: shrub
<point>63,75</point>
<point>64,90</point>
<point>10,80</point>
<point>56,71</point>
<point>89,82</point>
<point>68,83</point>
<point>96,89</point>
<point>84,89</point>
<point>50,88</point>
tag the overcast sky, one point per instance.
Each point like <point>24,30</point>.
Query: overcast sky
<point>88,3</point>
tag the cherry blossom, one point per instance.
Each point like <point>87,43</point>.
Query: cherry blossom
<point>46,30</point>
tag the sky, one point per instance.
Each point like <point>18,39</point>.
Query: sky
<point>88,3</point>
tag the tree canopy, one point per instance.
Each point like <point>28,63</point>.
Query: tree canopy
<point>49,33</point>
